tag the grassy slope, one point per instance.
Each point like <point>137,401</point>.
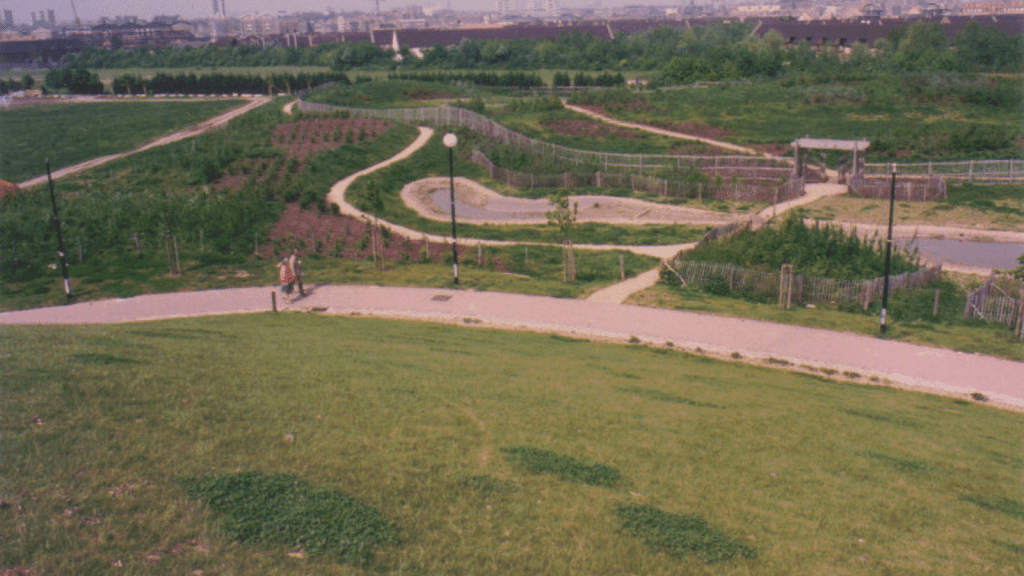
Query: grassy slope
<point>816,477</point>
<point>67,134</point>
<point>768,113</point>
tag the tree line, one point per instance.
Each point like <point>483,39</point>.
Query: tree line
<point>715,52</point>
<point>82,81</point>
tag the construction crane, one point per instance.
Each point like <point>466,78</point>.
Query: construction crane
<point>78,21</point>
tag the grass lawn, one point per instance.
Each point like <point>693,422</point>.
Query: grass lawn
<point>575,130</point>
<point>878,109</point>
<point>988,207</point>
<point>67,134</point>
<point>300,444</point>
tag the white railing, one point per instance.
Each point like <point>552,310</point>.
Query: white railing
<point>994,171</point>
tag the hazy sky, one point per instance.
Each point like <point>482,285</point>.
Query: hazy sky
<point>93,9</point>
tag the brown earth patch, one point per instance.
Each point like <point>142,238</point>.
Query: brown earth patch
<point>341,236</point>
<point>303,138</point>
<point>589,129</point>
<point>421,94</point>
<point>696,129</point>
<point>8,189</point>
<point>300,140</point>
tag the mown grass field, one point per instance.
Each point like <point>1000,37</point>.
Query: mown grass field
<point>471,451</point>
<point>67,134</point>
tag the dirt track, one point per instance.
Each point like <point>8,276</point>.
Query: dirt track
<point>193,130</point>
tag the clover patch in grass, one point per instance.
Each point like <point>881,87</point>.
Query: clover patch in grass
<point>896,419</point>
<point>487,486</point>
<point>565,467</point>
<point>660,396</point>
<point>1010,507</point>
<point>901,464</point>
<point>282,509</point>
<point>680,534</point>
<point>102,359</point>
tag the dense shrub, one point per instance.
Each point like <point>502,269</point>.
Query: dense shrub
<point>824,251</point>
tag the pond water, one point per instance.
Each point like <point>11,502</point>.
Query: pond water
<point>985,254</point>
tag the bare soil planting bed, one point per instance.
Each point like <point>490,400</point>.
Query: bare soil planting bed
<point>588,129</point>
<point>307,137</point>
<point>340,236</point>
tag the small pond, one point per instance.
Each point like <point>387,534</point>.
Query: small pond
<point>998,255</point>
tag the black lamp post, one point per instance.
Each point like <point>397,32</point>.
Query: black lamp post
<point>60,237</point>
<point>450,141</point>
<point>888,249</point>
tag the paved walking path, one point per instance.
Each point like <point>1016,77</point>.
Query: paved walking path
<point>862,358</point>
<point>931,370</point>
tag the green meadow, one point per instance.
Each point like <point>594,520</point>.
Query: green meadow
<point>67,136</point>
<point>305,444</point>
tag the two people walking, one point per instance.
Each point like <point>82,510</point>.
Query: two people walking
<point>289,273</point>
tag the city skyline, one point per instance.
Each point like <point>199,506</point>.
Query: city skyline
<point>193,9</point>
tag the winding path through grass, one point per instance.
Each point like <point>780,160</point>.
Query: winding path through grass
<point>194,130</point>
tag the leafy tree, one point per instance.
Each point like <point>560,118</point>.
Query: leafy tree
<point>565,219</point>
<point>922,45</point>
<point>987,49</point>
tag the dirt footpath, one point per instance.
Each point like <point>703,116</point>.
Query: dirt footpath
<point>189,132</point>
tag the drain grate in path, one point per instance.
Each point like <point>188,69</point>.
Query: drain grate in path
<point>442,298</point>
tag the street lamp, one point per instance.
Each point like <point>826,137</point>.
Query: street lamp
<point>450,140</point>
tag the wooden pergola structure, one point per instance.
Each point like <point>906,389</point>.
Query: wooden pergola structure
<point>802,145</point>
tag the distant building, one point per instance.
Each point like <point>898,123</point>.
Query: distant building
<point>991,8</point>
<point>260,25</point>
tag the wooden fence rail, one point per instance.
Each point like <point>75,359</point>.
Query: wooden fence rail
<point>985,304</point>
<point>908,188</point>
<point>607,161</point>
<point>1007,171</point>
<point>805,289</point>
<point>748,191</point>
